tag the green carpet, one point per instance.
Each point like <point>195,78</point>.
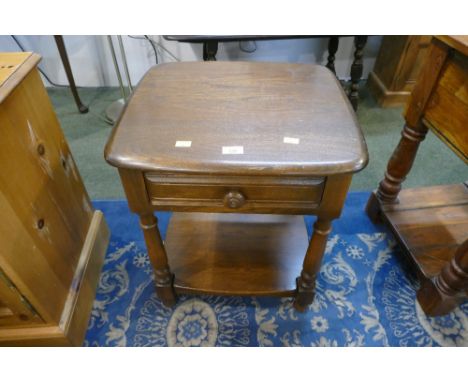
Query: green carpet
<point>88,133</point>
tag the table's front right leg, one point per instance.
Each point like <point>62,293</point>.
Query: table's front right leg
<point>306,282</point>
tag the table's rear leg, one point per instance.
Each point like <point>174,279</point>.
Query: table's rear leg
<point>157,253</point>
<point>210,48</point>
<point>356,70</point>
<point>332,48</point>
<point>306,282</point>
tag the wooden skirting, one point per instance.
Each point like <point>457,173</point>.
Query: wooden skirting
<point>71,329</point>
<point>384,96</point>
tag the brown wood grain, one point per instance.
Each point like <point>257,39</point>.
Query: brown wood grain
<point>80,299</point>
<point>42,191</point>
<point>457,42</point>
<point>439,196</point>
<point>259,194</point>
<point>429,75</point>
<point>396,68</point>
<point>14,310</point>
<point>48,218</point>
<point>15,67</point>
<point>248,104</point>
<point>233,254</point>
<point>432,223</point>
<point>256,106</point>
<point>447,110</point>
<point>433,228</point>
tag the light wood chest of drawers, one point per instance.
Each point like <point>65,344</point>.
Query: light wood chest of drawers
<point>52,242</point>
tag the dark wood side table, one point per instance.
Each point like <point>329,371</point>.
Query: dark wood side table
<point>210,49</point>
<point>432,223</point>
<point>237,149</point>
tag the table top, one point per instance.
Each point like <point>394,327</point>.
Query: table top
<point>239,118</point>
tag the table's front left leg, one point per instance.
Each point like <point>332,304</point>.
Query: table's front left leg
<point>164,279</point>
<point>306,282</point>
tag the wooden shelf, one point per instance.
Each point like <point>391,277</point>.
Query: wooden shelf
<point>236,254</point>
<point>431,223</point>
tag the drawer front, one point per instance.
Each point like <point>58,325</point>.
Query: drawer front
<point>234,193</point>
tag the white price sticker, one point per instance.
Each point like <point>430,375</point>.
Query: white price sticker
<point>294,141</point>
<point>233,149</point>
<point>183,143</point>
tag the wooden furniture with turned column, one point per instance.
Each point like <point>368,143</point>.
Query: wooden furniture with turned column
<point>52,242</point>
<point>432,223</point>
<point>239,151</point>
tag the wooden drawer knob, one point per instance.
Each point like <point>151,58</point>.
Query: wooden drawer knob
<point>234,199</point>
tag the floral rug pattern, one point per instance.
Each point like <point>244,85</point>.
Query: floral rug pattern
<point>363,298</point>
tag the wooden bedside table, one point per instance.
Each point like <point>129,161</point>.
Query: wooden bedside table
<point>242,138</point>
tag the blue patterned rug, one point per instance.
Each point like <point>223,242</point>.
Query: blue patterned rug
<point>363,297</point>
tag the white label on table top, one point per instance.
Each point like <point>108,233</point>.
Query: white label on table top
<point>294,141</point>
<point>233,149</point>
<point>183,143</point>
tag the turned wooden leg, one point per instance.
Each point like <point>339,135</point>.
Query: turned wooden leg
<point>398,167</point>
<point>401,162</point>
<point>332,48</point>
<point>356,69</point>
<point>306,282</point>
<point>163,277</point>
<point>445,292</point>
<point>71,80</point>
<point>210,48</point>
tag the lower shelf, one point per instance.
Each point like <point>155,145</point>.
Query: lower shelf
<point>236,254</point>
<point>431,223</point>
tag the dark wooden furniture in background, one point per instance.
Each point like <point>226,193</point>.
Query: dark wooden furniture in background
<point>71,80</point>
<point>396,69</point>
<point>52,242</point>
<point>432,223</point>
<point>210,49</point>
<point>192,140</point>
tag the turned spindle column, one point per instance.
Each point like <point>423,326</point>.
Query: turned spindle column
<point>412,135</point>
<point>401,162</point>
<point>356,70</point>
<point>443,293</point>
<point>332,48</point>
<point>157,254</point>
<point>210,49</point>
<point>315,251</point>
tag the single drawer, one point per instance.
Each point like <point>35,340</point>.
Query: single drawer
<point>234,193</point>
